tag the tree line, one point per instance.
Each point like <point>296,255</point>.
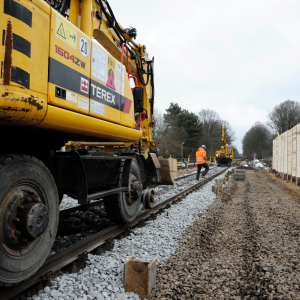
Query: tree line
<point>259,138</point>
<point>177,129</point>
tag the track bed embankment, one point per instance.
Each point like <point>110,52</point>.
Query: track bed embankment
<point>246,246</point>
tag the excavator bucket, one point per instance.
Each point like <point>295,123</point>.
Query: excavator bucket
<point>167,171</point>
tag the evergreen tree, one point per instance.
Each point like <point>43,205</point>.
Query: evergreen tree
<point>189,122</point>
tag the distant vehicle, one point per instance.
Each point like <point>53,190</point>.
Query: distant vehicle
<point>225,154</point>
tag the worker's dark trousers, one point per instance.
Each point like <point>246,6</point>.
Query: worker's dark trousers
<point>199,167</point>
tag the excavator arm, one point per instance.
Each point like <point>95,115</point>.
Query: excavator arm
<point>223,138</point>
<point>225,154</point>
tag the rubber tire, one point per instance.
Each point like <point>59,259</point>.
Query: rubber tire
<point>14,169</point>
<point>115,205</point>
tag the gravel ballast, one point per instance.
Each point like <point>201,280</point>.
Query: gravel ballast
<point>246,247</point>
<point>102,278</point>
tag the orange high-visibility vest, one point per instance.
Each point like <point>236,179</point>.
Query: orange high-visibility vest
<point>200,154</point>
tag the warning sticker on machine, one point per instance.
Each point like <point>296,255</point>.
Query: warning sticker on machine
<point>65,32</point>
<point>84,85</point>
<point>118,75</point>
<point>111,73</point>
<point>97,107</point>
<point>99,64</point>
<point>71,97</point>
<point>83,104</point>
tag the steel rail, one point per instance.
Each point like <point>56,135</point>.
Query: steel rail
<point>72,254</point>
<point>191,165</point>
<point>190,174</point>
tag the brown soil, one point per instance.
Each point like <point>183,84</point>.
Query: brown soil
<point>289,187</point>
<point>246,247</point>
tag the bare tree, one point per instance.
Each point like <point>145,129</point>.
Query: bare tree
<point>209,119</point>
<point>229,132</point>
<point>211,130</point>
<point>169,135</point>
<point>158,129</point>
<point>258,140</point>
<point>212,125</point>
<point>284,116</point>
<point>236,152</point>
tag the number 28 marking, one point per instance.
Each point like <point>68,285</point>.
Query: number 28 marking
<point>84,47</point>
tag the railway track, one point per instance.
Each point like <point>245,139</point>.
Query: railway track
<point>190,174</point>
<point>70,255</point>
<point>191,165</point>
<point>99,202</point>
<point>82,221</point>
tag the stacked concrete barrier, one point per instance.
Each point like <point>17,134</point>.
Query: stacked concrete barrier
<point>286,154</point>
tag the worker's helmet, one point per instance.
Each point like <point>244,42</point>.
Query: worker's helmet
<point>204,147</point>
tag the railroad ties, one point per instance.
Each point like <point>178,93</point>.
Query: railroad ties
<point>218,186</point>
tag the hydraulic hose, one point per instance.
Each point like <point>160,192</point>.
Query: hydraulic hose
<point>119,32</point>
<point>152,87</point>
<point>140,70</point>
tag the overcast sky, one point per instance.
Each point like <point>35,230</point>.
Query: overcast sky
<point>239,58</point>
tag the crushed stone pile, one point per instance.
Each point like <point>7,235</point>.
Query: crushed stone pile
<point>246,246</point>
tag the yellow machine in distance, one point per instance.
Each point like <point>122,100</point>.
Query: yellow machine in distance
<point>225,154</point>
<point>66,68</point>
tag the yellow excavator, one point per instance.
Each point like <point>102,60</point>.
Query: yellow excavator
<point>66,67</point>
<point>225,154</point>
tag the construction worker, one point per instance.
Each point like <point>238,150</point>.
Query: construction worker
<point>201,161</point>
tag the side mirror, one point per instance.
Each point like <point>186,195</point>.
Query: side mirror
<point>138,99</point>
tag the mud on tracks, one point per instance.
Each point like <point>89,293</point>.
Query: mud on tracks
<point>246,246</point>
